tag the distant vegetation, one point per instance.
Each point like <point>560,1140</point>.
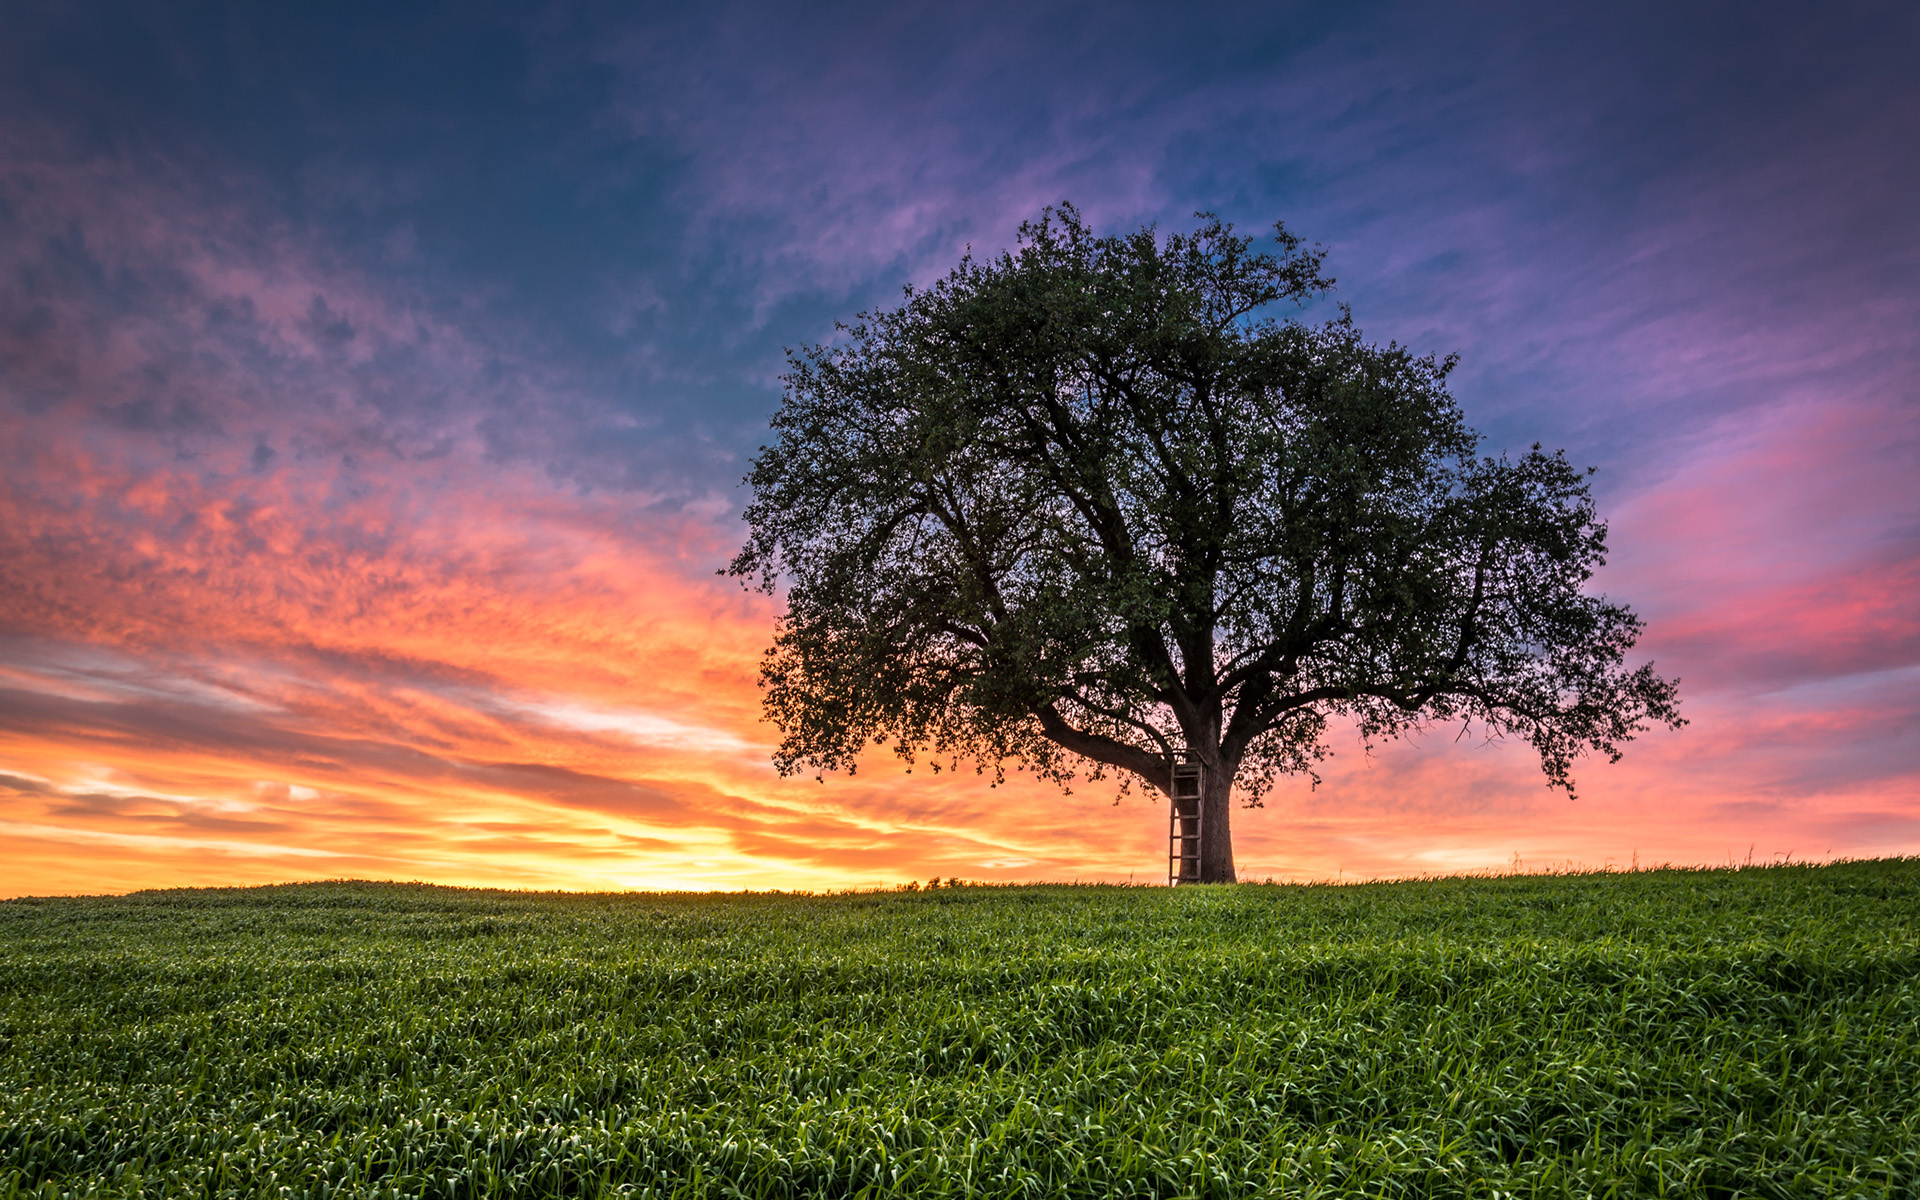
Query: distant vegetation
<point>1686,1033</point>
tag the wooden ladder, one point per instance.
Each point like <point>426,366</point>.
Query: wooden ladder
<point>1183,821</point>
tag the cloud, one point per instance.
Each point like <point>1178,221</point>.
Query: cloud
<point>643,728</point>
<point>360,497</point>
<point>1787,547</point>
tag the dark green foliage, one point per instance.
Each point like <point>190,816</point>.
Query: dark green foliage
<point>1728,1033</point>
<point>1088,503</point>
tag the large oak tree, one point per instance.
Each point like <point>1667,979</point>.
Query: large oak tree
<point>1091,503</point>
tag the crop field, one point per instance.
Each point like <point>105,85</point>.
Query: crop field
<point>1682,1033</point>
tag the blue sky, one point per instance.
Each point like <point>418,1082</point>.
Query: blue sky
<point>646,208</point>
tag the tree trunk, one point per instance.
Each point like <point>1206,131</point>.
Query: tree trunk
<point>1216,828</point>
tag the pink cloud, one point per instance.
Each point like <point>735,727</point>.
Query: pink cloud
<point>1785,548</point>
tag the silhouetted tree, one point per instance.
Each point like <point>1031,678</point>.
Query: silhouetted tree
<point>1085,504</point>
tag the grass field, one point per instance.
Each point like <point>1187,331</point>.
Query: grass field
<point>1682,1033</point>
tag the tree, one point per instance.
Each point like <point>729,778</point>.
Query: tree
<point>1086,505</point>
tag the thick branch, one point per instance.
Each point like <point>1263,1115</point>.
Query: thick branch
<point>1101,749</point>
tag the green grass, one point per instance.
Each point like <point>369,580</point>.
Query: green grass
<point>1683,1033</point>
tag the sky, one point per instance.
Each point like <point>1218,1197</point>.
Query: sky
<point>377,382</point>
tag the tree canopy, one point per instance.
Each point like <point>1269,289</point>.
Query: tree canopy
<point>1090,503</point>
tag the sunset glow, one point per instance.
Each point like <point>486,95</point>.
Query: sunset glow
<point>371,445</point>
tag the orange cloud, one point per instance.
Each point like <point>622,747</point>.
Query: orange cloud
<point>477,676</point>
<point>440,675</point>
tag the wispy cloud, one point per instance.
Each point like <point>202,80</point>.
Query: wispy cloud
<point>365,459</point>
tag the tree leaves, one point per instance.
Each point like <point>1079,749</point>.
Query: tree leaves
<point>1088,502</point>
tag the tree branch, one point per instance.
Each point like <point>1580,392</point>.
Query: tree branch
<point>1149,767</point>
